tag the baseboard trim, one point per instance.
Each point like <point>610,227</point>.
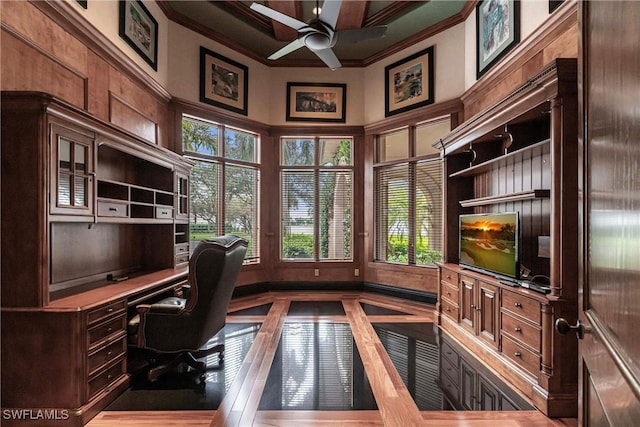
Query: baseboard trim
<point>408,294</point>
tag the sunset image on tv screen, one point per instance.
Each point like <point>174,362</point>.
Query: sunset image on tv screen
<point>489,242</point>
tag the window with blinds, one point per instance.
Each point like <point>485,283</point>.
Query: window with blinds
<point>224,182</point>
<point>316,194</point>
<point>408,180</point>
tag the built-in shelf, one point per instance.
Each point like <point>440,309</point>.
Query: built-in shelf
<point>534,150</point>
<point>504,198</point>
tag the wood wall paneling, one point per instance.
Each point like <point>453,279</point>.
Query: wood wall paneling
<point>124,115</point>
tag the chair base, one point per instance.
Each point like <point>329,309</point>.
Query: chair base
<point>171,362</point>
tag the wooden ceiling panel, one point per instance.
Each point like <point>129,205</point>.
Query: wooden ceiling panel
<point>352,15</point>
<point>290,8</point>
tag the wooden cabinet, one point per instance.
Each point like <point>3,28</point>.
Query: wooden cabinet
<point>520,155</point>
<point>479,308</point>
<point>448,289</point>
<point>99,224</point>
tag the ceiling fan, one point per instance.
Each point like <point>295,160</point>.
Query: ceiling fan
<point>319,34</point>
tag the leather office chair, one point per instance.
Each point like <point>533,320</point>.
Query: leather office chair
<point>175,329</point>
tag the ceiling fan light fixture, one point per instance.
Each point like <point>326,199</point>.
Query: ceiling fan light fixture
<point>317,41</point>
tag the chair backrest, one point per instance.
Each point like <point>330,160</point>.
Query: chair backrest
<point>213,270</point>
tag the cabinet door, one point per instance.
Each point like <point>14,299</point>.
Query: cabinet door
<point>182,195</point>
<point>468,303</point>
<point>72,172</point>
<point>468,377</point>
<point>488,309</point>
<point>488,395</point>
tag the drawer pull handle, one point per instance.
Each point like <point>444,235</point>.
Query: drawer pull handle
<point>473,306</point>
<point>110,310</point>
<point>113,209</point>
<point>109,376</point>
<point>448,352</point>
<point>517,354</point>
<point>109,329</point>
<point>518,329</point>
<point>448,309</point>
<point>518,305</point>
<point>108,354</point>
<point>448,294</point>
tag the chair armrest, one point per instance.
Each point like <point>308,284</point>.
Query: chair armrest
<point>171,305</point>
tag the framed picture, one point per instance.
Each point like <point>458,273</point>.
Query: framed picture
<point>409,83</point>
<point>553,5</point>
<point>223,82</point>
<point>497,31</point>
<point>140,30</point>
<point>316,102</point>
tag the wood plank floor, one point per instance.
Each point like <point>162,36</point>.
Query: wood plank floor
<point>396,407</point>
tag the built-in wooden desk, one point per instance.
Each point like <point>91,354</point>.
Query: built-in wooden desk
<point>70,357</point>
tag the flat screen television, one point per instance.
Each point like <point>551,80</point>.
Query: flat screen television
<point>489,243</point>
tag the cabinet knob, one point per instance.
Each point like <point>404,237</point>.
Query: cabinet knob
<point>517,354</point>
<point>110,310</point>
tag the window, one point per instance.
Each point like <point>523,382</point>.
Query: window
<point>316,178</point>
<point>408,195</point>
<point>224,182</point>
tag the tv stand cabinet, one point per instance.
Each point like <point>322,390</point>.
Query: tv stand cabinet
<point>94,221</point>
<point>519,155</point>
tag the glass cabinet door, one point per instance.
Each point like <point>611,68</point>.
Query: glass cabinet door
<point>72,170</point>
<point>182,196</point>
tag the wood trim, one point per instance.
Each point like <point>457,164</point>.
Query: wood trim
<point>451,107</point>
<point>68,18</point>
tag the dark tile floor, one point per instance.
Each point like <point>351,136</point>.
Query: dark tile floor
<point>317,367</point>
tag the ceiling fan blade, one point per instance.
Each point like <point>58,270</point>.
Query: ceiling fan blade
<point>328,57</point>
<point>294,45</point>
<point>277,16</point>
<point>360,34</point>
<point>329,12</point>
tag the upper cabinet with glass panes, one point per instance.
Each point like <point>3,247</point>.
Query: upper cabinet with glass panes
<point>72,179</point>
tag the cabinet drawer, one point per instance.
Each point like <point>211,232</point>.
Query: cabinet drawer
<point>450,369</point>
<point>449,309</point>
<point>521,305</point>
<point>521,331</point>
<point>447,351</point>
<point>106,329</point>
<point>164,212</point>
<point>450,277</point>
<point>181,249</point>
<point>450,292</point>
<point>449,386</point>
<point>103,379</point>
<point>523,357</point>
<point>106,354</point>
<point>105,311</point>
<point>113,209</point>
